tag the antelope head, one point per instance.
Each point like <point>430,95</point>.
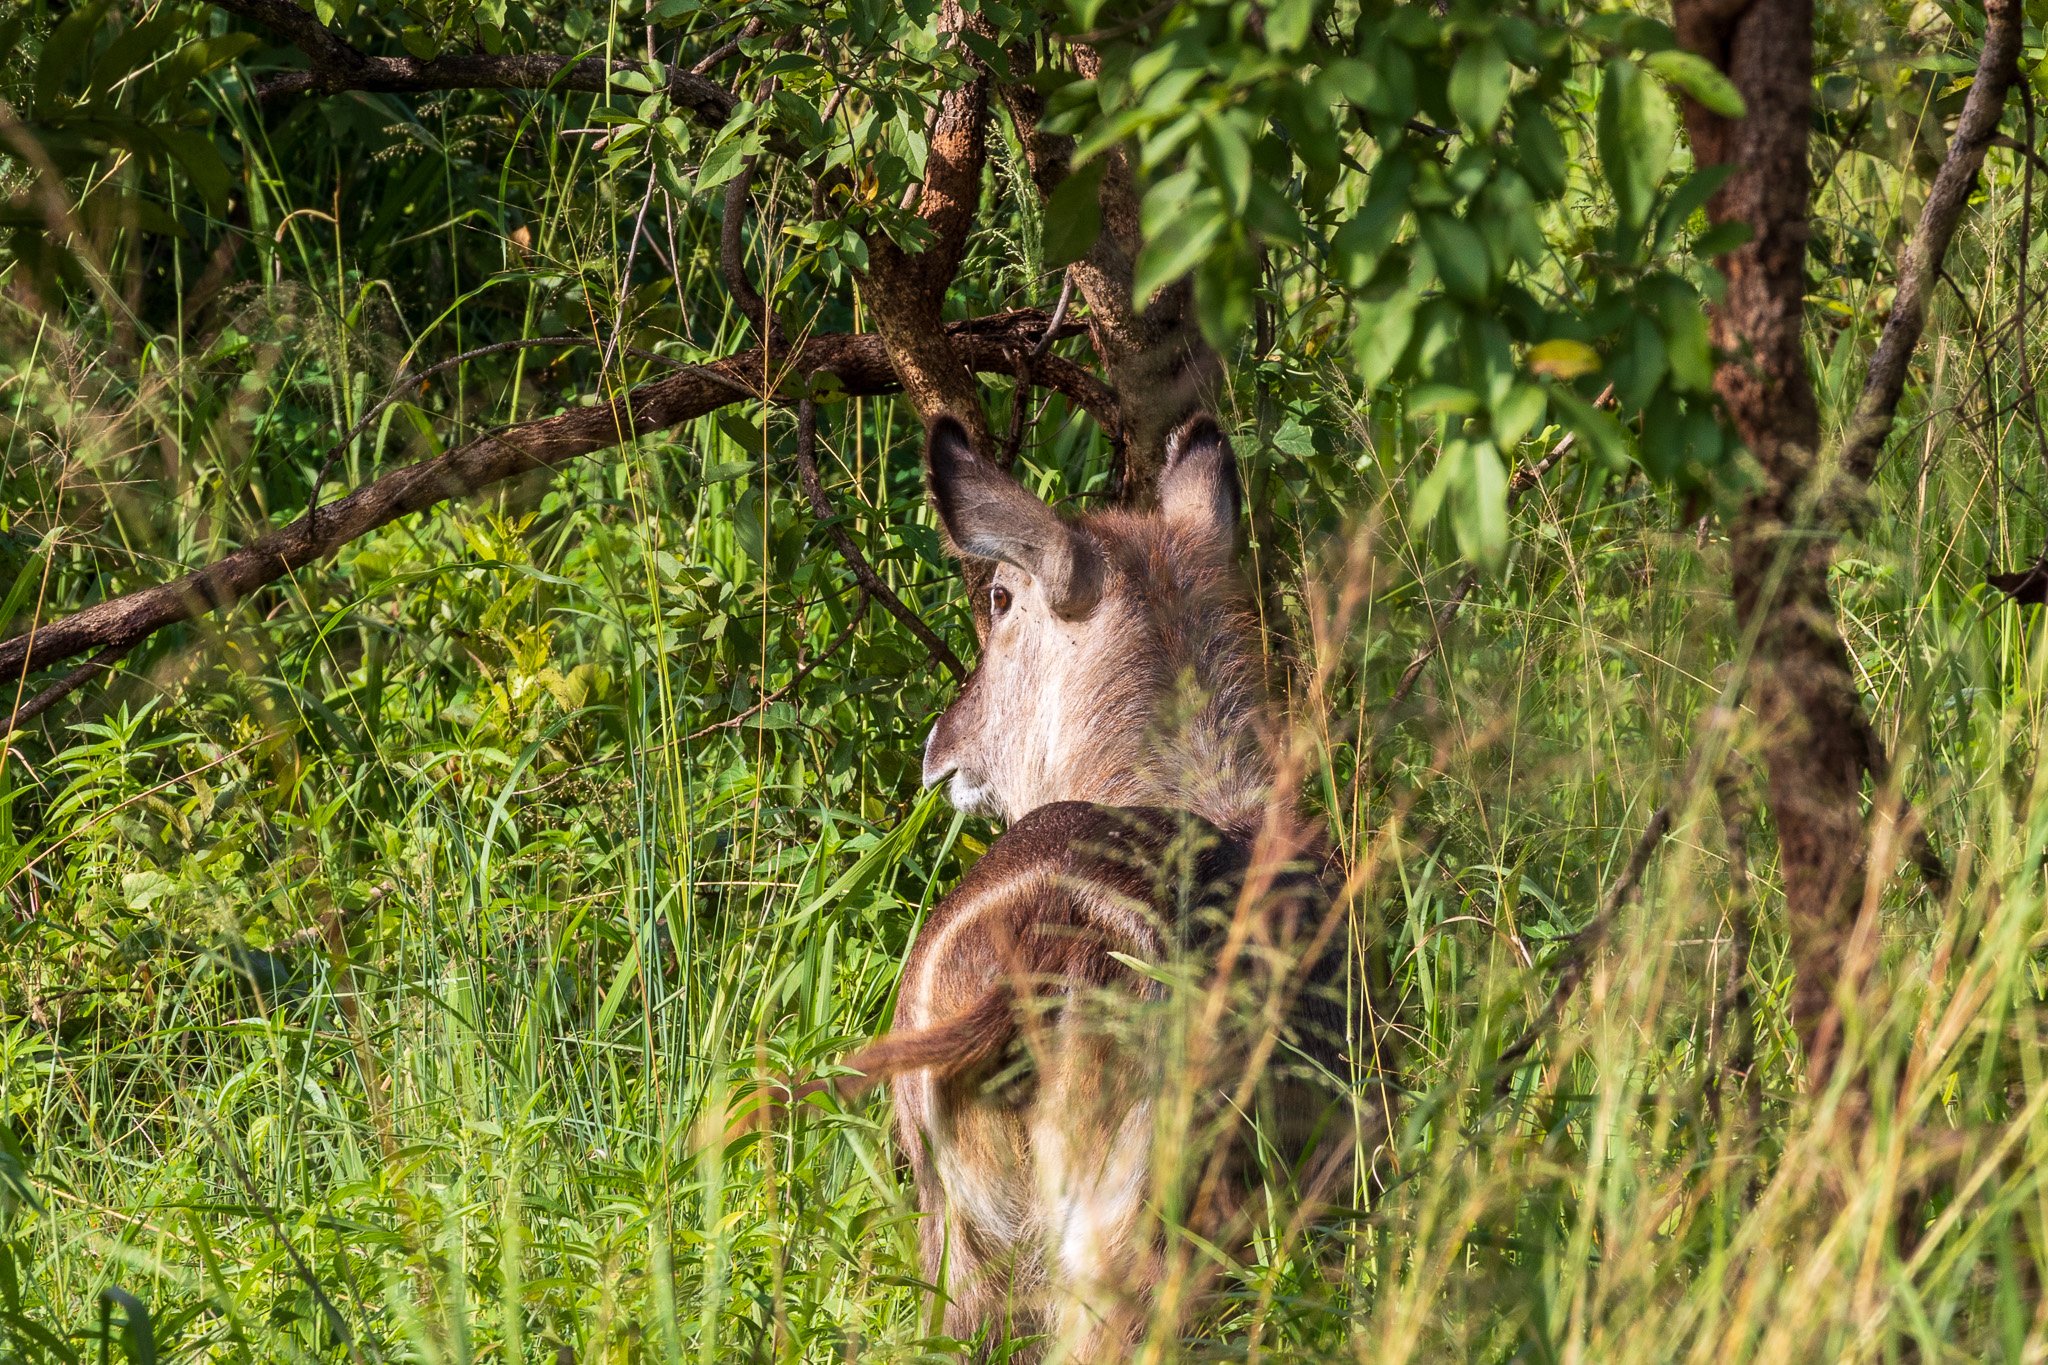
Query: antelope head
<point>1119,653</point>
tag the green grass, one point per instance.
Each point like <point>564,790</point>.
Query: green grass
<point>381,969</point>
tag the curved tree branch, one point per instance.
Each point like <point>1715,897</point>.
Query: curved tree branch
<point>1157,358</point>
<point>1976,130</point>
<point>859,364</point>
<point>906,291</point>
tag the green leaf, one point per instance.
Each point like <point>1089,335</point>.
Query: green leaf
<point>1230,158</point>
<point>1699,78</point>
<point>1352,79</point>
<point>1451,467</point>
<point>1460,256</point>
<point>1482,524</point>
<point>1539,151</point>
<point>1480,81</point>
<point>1692,194</point>
<point>1639,363</point>
<point>202,164</point>
<point>1516,415</point>
<point>1689,352</point>
<point>1637,131</point>
<point>1176,250</point>
<point>1288,23</point>
<point>1073,216</point>
<point>63,55</point>
<point>723,162</point>
<point>15,1191</point>
<point>1381,336</point>
<point>1223,297</point>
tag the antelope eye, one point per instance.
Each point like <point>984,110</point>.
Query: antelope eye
<point>998,599</point>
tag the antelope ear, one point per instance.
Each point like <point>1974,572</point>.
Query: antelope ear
<point>1198,488</point>
<point>989,515</point>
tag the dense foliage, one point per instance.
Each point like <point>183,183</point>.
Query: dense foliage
<point>383,959</point>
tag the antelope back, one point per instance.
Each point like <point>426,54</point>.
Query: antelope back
<point>1120,659</point>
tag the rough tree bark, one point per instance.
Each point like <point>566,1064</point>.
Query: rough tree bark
<point>1946,198</point>
<point>1817,743</point>
<point>906,291</point>
<point>1157,358</point>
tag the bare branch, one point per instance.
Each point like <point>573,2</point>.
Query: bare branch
<point>906,291</point>
<point>804,669</point>
<point>859,363</point>
<point>732,258</point>
<point>863,572</point>
<point>102,662</point>
<point>1946,198</point>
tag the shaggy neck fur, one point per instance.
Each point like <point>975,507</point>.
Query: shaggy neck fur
<point>1198,734</point>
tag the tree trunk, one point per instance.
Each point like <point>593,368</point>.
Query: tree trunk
<point>1815,741</point>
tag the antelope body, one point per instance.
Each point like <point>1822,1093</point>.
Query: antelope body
<point>1053,1090</point>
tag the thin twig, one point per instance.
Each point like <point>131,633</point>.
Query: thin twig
<point>1027,367</point>
<point>1059,315</point>
<point>64,686</point>
<point>732,259</point>
<point>863,572</point>
<point>803,670</point>
<point>1580,947</point>
<point>2032,155</point>
<point>702,66</point>
<point>1947,197</point>
<point>1732,1001</point>
<point>619,322</point>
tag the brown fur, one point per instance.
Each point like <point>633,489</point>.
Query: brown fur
<point>1045,1095</point>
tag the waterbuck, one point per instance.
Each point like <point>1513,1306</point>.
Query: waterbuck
<point>1144,963</point>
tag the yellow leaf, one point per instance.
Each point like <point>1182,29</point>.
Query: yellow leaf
<point>1561,358</point>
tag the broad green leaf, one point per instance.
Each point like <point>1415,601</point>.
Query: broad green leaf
<point>1516,415</point>
<point>1691,194</point>
<point>1698,77</point>
<point>1073,216</point>
<point>1482,524</point>
<point>1638,363</point>
<point>63,55</point>
<point>1539,151</point>
<point>1288,23</point>
<point>1381,336</point>
<point>1453,465</point>
<point>1223,296</point>
<point>1353,79</point>
<point>723,162</point>
<point>201,160</point>
<point>1177,250</point>
<point>1480,81</point>
<point>1230,158</point>
<point>1460,256</point>
<point>1637,131</point>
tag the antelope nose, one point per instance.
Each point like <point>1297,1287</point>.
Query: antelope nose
<point>937,766</point>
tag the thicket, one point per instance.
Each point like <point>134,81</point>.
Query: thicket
<point>495,758</point>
